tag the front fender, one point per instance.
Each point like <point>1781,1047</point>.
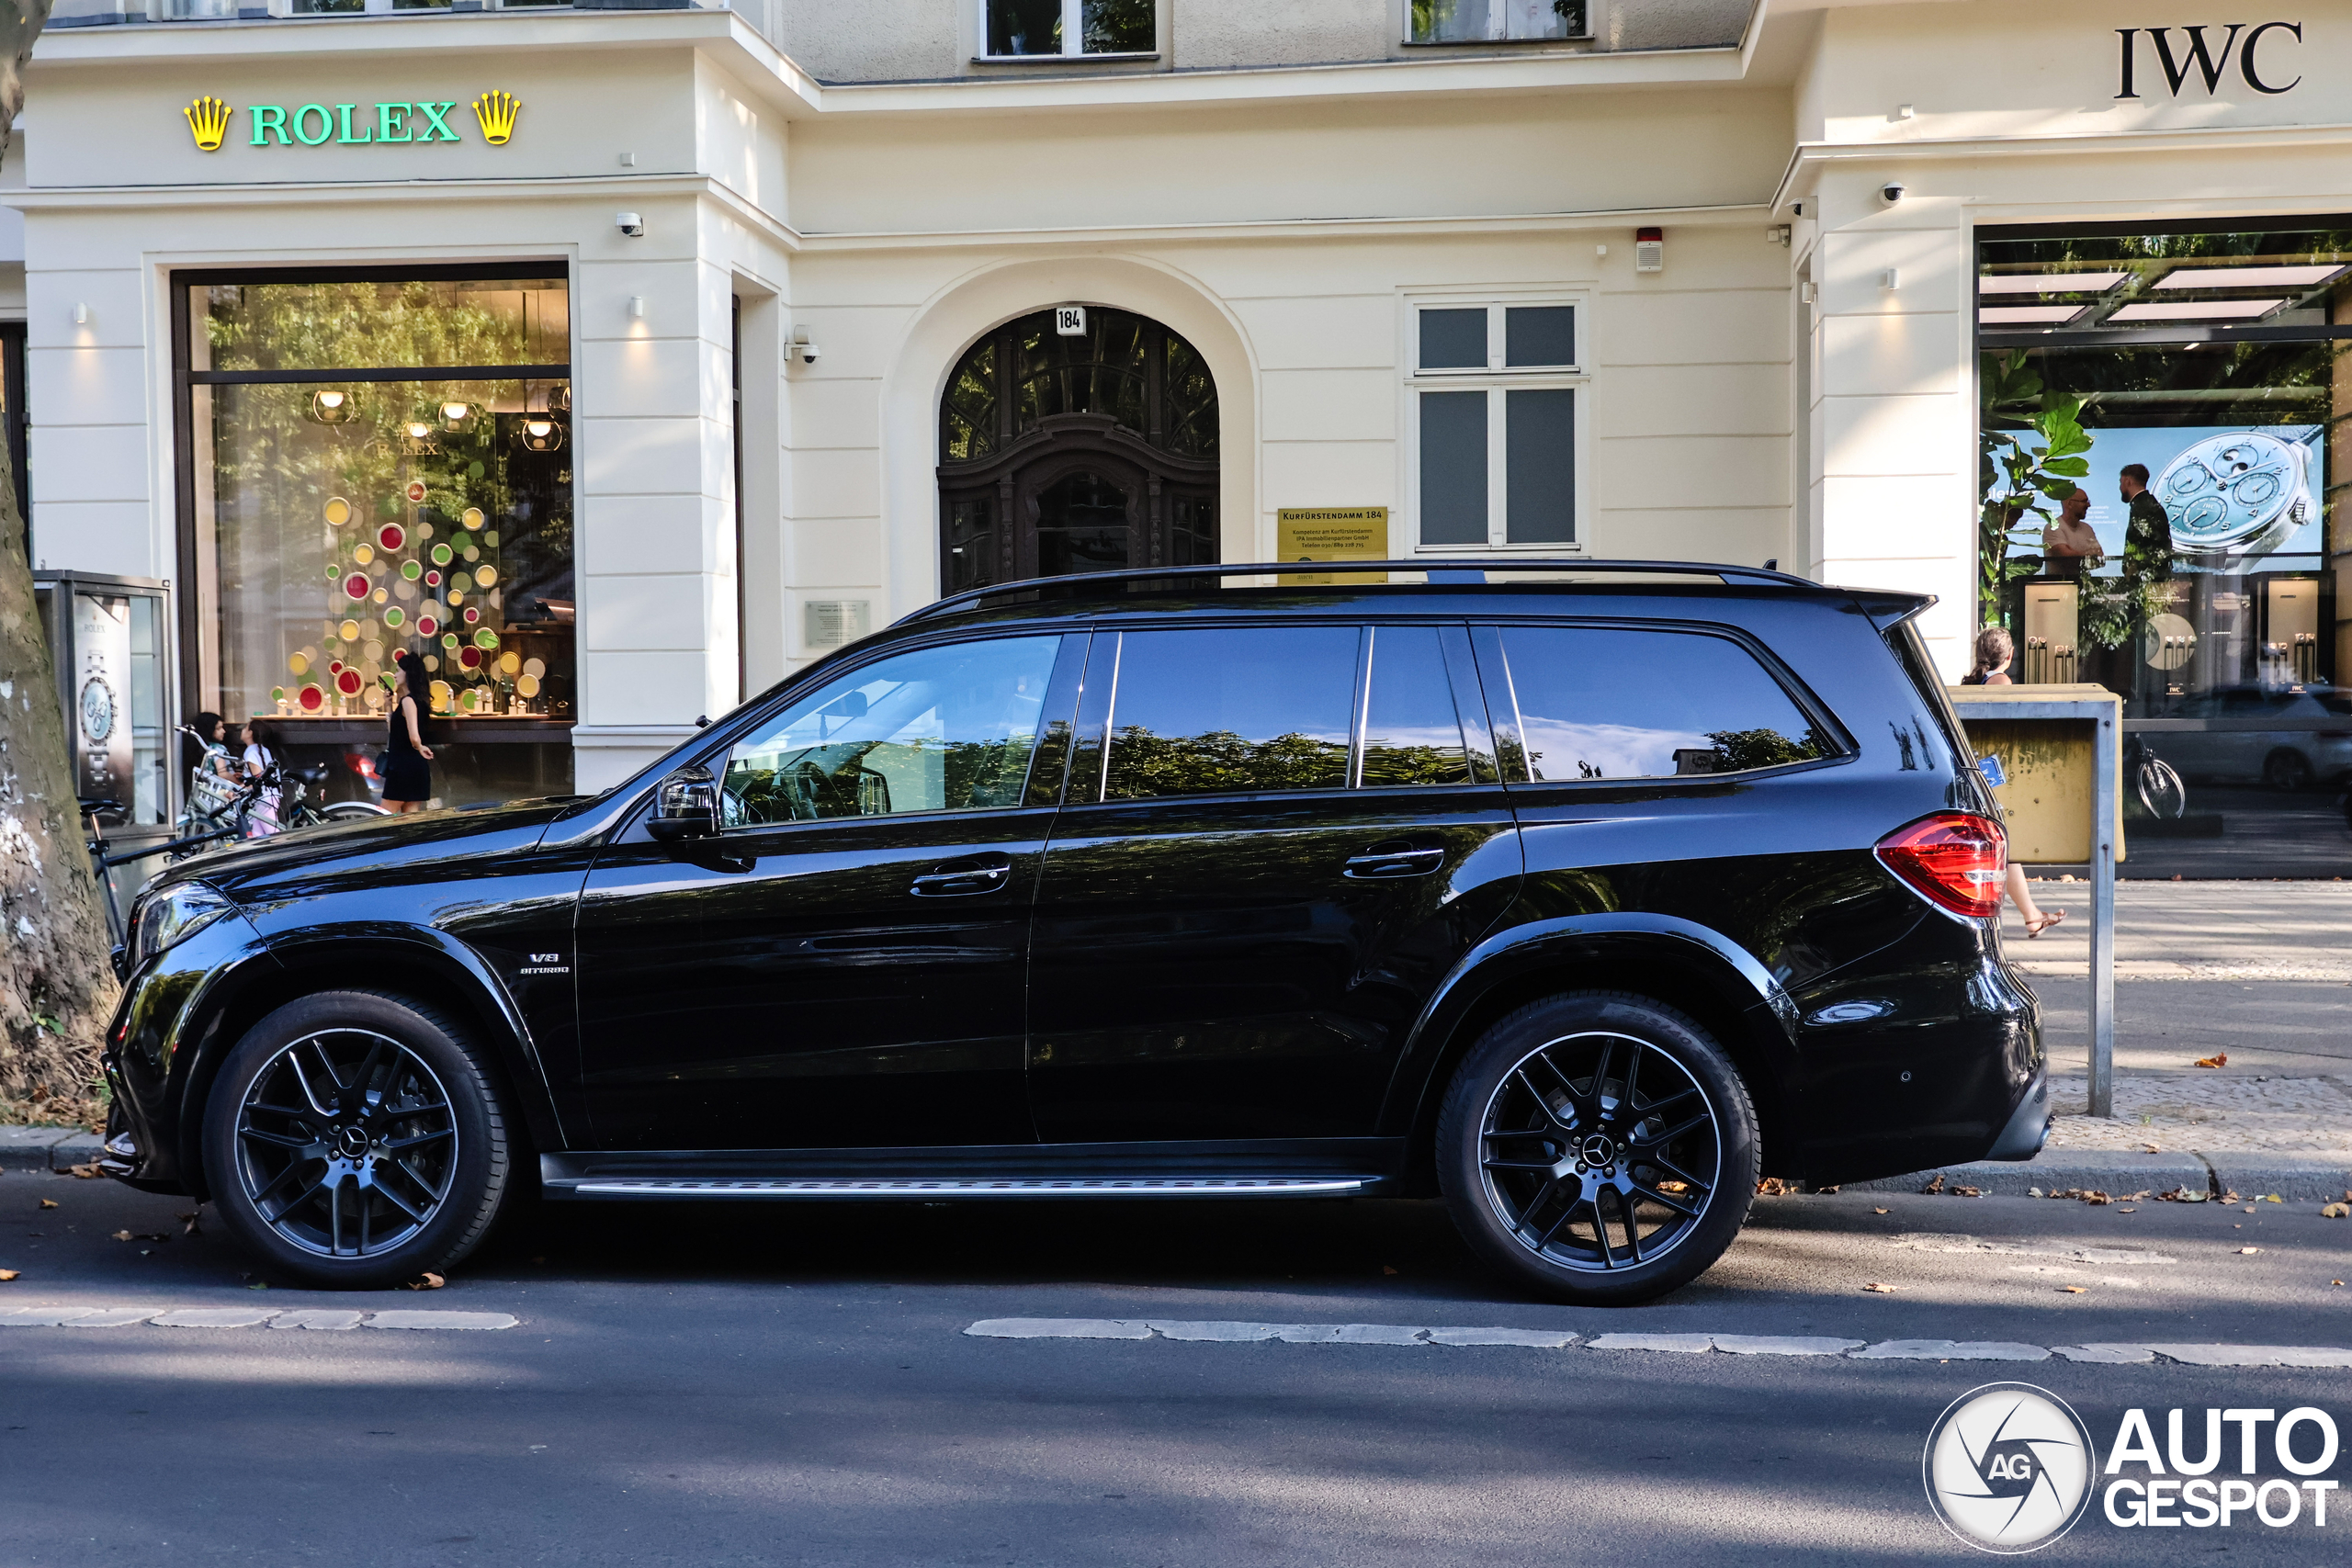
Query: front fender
<point>1732,975</point>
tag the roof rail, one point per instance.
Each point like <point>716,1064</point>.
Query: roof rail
<point>1076,583</point>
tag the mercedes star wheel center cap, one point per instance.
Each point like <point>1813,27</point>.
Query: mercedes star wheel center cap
<point>1598,1150</point>
<point>351,1142</point>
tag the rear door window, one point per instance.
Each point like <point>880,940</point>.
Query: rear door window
<point>1611,702</point>
<point>1231,710</point>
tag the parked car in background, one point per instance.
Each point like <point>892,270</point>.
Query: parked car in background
<point>1581,903</point>
<point>2288,740</point>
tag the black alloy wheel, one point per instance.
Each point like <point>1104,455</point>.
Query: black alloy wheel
<point>353,1140</point>
<point>1600,1145</point>
<point>2287,769</point>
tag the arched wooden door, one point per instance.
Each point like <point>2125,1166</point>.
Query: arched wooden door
<point>1076,453</point>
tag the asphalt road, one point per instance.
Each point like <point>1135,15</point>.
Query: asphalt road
<point>715,1385</point>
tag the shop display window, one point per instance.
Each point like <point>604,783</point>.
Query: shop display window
<point>2213,361</point>
<point>377,464</point>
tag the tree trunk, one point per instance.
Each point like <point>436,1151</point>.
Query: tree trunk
<point>57,989</point>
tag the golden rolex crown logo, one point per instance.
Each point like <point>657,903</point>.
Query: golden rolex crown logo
<point>496,112</point>
<point>207,118</point>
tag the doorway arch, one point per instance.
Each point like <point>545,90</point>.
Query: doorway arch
<point>1066,452</point>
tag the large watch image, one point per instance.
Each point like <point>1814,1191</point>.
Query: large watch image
<point>97,709</point>
<point>2236,494</point>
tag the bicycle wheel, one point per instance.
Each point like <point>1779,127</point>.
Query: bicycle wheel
<point>2161,790</point>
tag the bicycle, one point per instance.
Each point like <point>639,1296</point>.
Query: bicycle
<point>219,807</point>
<point>2161,791</point>
<point>95,841</point>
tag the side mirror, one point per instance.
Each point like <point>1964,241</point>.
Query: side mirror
<point>685,806</point>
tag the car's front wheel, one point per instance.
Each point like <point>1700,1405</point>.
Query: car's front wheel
<point>354,1140</point>
<point>1600,1145</point>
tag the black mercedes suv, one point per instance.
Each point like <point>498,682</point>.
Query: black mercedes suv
<point>1581,895</point>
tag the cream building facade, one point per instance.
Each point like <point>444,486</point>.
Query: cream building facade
<point>838,207</point>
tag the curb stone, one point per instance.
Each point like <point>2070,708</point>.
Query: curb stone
<point>2295,1177</point>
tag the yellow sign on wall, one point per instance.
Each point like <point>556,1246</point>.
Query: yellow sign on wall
<point>1329,532</point>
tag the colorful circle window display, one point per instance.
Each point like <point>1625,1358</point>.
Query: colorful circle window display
<point>427,626</point>
<point>412,570</point>
<point>526,686</point>
<point>416,491</point>
<point>394,616</point>
<point>348,631</point>
<point>357,586</point>
<point>485,639</point>
<point>471,517</point>
<point>391,536</point>
<point>485,575</point>
<point>441,555</point>
<point>470,657</point>
<point>442,692</point>
<point>298,665</point>
<point>433,580</point>
<point>449,639</point>
<point>312,699</point>
<point>473,615</point>
<point>338,512</point>
<point>348,681</point>
<point>363,552</point>
<point>510,662</point>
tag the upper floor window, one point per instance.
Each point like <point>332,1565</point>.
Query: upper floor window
<point>1497,21</point>
<point>1494,411</point>
<point>1024,29</point>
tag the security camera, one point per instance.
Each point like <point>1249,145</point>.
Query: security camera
<point>629,223</point>
<point>807,350</point>
<point>1891,191</point>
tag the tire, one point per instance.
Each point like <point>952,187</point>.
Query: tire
<point>353,811</point>
<point>2287,769</point>
<point>1547,1180</point>
<point>2161,790</point>
<point>406,1184</point>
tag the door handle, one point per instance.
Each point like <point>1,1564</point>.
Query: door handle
<point>974,876</point>
<point>1395,860</point>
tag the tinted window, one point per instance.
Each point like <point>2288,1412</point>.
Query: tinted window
<point>1412,733</point>
<point>1231,710</point>
<point>1540,334</point>
<point>1596,703</point>
<point>939,729</point>
<point>1454,340</point>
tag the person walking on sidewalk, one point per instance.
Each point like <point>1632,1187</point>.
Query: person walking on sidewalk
<point>1994,649</point>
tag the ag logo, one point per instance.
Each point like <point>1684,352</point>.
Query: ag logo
<point>2009,1468</point>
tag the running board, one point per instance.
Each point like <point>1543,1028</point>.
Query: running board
<point>973,1187</point>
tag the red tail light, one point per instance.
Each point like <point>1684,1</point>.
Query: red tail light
<point>1955,859</point>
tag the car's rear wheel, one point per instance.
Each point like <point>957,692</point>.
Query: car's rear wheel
<point>354,1140</point>
<point>1600,1145</point>
<point>2287,769</point>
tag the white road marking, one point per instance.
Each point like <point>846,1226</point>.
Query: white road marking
<point>1950,1350</point>
<point>1227,1333</point>
<point>251,1318</point>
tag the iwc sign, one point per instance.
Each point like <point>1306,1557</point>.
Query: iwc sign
<point>2204,54</point>
<point>314,125</point>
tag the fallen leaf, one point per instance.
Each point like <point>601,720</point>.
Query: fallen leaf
<point>258,1285</point>
<point>123,1235</point>
<point>1966,1192</point>
<point>2181,1195</point>
<point>1824,1191</point>
<point>2151,1148</point>
<point>8,1274</point>
<point>2335,1212</point>
<point>2271,1197</point>
<point>1774,1186</point>
<point>192,1223</point>
<point>86,1172</point>
<point>1881,1290</point>
<point>1934,1186</point>
<point>2071,1290</point>
<point>2127,1211</point>
<point>425,1281</point>
<point>49,1202</point>
<point>2230,1198</point>
<point>1386,1269</point>
<point>1878,1211</point>
<point>2218,1059</point>
<point>2248,1251</point>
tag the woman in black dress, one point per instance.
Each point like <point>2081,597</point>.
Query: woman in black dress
<point>408,782</point>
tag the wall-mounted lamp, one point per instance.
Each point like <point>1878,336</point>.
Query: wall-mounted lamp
<point>804,348</point>
<point>82,314</point>
<point>1649,250</point>
<point>1891,278</point>
<point>457,415</point>
<point>636,307</point>
<point>333,408</point>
